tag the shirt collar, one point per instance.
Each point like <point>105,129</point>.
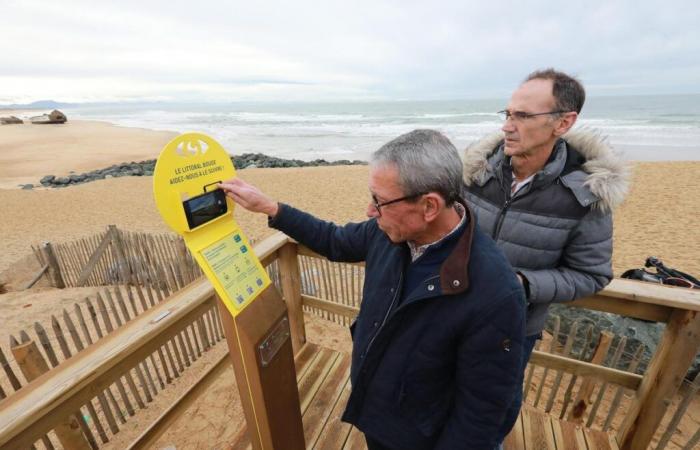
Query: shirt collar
<point>418,250</point>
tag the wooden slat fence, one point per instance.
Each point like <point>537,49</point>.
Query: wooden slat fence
<point>119,257</point>
<point>93,319</point>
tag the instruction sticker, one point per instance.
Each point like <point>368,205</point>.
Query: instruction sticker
<point>236,268</point>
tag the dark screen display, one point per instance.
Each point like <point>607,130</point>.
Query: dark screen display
<point>205,208</point>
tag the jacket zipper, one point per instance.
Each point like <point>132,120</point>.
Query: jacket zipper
<point>501,218</point>
<point>386,316</point>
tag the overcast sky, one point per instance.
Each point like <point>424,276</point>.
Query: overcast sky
<point>208,50</point>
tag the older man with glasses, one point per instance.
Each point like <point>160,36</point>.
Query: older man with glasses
<point>546,196</point>
<point>437,345</point>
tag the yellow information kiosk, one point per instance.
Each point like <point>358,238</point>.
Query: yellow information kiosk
<point>257,328</point>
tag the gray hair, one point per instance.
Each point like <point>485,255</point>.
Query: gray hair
<point>427,162</point>
<point>568,92</point>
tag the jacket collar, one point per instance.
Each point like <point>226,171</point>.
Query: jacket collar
<point>601,178</point>
<point>454,272</point>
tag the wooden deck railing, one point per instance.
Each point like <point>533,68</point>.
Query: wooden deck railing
<point>45,403</point>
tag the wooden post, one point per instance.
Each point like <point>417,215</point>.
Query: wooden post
<point>583,399</point>
<point>261,351</point>
<point>36,277</point>
<point>291,291</point>
<point>33,365</point>
<point>54,269</point>
<point>674,355</point>
<point>122,262</point>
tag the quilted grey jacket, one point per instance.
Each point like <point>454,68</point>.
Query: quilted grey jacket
<point>557,230</point>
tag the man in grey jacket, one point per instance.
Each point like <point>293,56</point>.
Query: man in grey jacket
<point>546,196</point>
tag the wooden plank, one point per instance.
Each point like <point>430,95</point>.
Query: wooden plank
<point>217,322</point>
<point>583,398</point>
<point>171,360</point>
<point>64,260</point>
<point>103,312</point>
<point>144,383</point>
<point>582,356</point>
<point>552,349</point>
<point>654,294</point>
<point>149,377</point>
<point>568,435</point>
<point>92,261</point>
<point>336,432</point>
<point>537,430</point>
<point>192,339</point>
<point>35,278</point>
<point>516,438</point>
<point>680,412</point>
<point>597,440</point>
<point>183,350</point>
<point>140,293</point>
<point>318,412</point>
<point>312,380</point>
<point>560,373</point>
<point>624,307</point>
<point>202,333</point>
<point>674,354</point>
<point>530,371</point>
<point>93,318</point>
<point>54,269</point>
<point>210,328</point>
<point>303,359</point>
<point>122,262</point>
<point>82,323</point>
<point>177,353</point>
<point>601,392</point>
<point>113,308</point>
<point>324,305</point>
<point>122,304</point>
<point>164,365</point>
<point>694,440</point>
<point>615,404</point>
<point>60,337</point>
<point>291,292</point>
<point>46,344</point>
<point>14,381</point>
<point>356,440</point>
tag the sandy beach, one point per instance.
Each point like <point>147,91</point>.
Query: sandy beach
<point>656,219</point>
<point>29,152</point>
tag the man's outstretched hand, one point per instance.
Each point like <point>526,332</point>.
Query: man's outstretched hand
<point>249,197</point>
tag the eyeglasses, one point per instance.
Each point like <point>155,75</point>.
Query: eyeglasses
<point>378,205</point>
<point>519,116</point>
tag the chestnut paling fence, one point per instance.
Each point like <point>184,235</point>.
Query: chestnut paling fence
<point>598,380</point>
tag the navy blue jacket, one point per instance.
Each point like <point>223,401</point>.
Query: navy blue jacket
<point>435,368</point>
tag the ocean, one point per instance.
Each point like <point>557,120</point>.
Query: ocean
<point>642,128</point>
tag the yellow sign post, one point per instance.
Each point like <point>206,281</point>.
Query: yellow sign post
<point>257,329</point>
<point>184,184</point>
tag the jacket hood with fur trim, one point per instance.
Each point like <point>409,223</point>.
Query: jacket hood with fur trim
<point>604,185</point>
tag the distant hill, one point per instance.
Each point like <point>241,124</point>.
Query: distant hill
<point>41,104</point>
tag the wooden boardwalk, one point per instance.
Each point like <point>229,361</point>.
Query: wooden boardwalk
<point>324,386</point>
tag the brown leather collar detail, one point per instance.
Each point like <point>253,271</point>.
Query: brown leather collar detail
<point>454,272</point>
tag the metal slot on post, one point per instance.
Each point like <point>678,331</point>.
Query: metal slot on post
<point>269,346</point>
